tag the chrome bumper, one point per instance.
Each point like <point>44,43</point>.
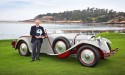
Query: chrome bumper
<point>106,55</point>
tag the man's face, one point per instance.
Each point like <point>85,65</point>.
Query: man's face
<point>37,23</point>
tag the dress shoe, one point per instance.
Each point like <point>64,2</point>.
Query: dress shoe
<point>32,60</point>
<point>37,58</point>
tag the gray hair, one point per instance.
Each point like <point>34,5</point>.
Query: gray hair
<point>37,21</point>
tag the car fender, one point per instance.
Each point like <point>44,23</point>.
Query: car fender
<point>26,39</point>
<point>103,46</point>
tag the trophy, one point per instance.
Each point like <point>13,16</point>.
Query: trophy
<point>39,32</point>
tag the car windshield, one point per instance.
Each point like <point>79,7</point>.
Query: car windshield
<point>52,31</point>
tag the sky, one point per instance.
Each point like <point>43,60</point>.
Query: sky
<point>28,9</point>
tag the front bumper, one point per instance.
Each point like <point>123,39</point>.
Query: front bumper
<point>106,55</point>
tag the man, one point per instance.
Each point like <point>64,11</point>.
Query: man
<point>38,34</point>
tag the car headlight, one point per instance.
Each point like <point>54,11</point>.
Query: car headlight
<point>109,46</point>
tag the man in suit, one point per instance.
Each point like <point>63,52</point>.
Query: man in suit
<point>38,34</point>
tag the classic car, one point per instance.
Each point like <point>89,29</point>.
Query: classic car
<point>88,49</point>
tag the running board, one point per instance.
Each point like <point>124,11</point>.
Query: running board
<point>62,55</point>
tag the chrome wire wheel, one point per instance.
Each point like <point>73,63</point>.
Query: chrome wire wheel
<point>60,47</point>
<point>23,48</point>
<point>87,56</point>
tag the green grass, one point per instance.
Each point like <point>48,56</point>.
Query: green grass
<point>11,63</point>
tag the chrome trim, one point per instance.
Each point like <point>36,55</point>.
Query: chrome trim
<point>60,47</point>
<point>87,56</point>
<point>23,48</point>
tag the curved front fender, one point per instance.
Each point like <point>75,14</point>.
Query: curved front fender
<point>101,45</point>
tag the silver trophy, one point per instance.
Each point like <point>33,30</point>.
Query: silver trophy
<point>39,31</point>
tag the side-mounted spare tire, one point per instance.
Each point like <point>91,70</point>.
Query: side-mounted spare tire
<point>23,49</point>
<point>88,55</point>
<point>60,45</point>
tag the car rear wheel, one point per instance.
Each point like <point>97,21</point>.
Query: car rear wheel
<point>23,49</point>
<point>60,45</point>
<point>88,56</point>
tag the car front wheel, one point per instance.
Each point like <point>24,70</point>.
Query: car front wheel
<point>88,56</point>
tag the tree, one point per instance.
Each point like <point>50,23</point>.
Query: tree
<point>86,15</point>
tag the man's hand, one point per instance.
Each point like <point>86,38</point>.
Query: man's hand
<point>45,36</point>
<point>40,37</point>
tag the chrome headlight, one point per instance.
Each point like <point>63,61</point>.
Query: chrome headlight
<point>104,39</point>
<point>109,46</point>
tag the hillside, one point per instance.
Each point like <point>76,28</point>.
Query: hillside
<point>87,15</point>
<point>117,20</point>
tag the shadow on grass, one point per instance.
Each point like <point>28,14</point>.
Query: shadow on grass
<point>73,60</point>
<point>103,62</point>
<point>54,58</point>
<point>69,60</point>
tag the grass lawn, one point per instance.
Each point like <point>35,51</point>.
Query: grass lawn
<point>11,63</point>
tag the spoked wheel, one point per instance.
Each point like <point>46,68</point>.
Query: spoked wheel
<point>23,49</point>
<point>60,45</point>
<point>88,55</point>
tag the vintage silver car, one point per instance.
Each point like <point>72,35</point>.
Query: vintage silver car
<point>88,49</point>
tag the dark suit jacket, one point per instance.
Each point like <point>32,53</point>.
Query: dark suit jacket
<point>33,33</point>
